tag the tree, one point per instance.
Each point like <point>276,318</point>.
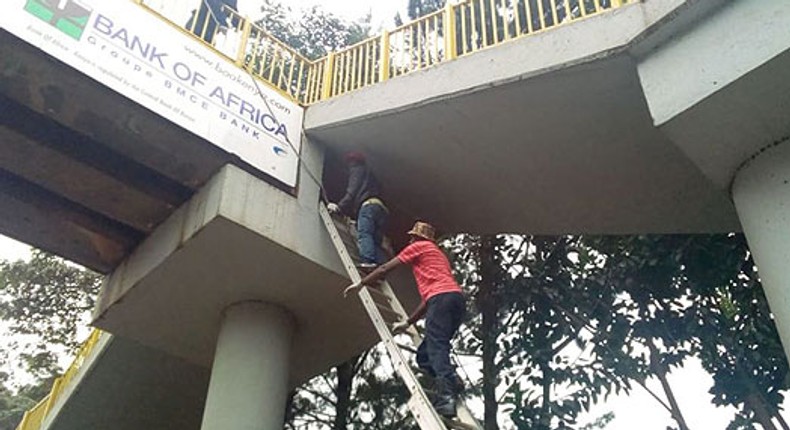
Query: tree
<point>357,393</point>
<point>648,272</point>
<point>738,342</point>
<point>695,295</point>
<point>42,301</point>
<point>419,8</point>
<point>314,33</point>
<point>528,329</point>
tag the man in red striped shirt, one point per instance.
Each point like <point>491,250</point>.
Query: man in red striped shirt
<point>442,304</point>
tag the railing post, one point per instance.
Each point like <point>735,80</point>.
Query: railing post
<point>616,3</point>
<point>329,72</point>
<point>23,424</point>
<point>449,32</point>
<point>53,395</point>
<point>246,29</point>
<point>384,73</point>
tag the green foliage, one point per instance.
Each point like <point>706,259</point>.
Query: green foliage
<point>580,318</point>
<point>737,339</point>
<point>12,406</point>
<point>600,423</point>
<point>696,296</point>
<point>543,311</point>
<point>42,303</point>
<point>377,400</point>
<point>418,8</point>
<point>313,34</point>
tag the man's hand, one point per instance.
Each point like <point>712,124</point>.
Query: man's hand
<point>333,208</point>
<point>400,327</point>
<point>351,289</point>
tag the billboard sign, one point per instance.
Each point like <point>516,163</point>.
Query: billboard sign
<point>126,48</point>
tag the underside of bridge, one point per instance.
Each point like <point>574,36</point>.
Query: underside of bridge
<point>85,172</point>
<point>554,137</point>
<point>549,134</point>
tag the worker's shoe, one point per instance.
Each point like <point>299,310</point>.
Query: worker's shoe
<point>445,406</point>
<point>367,267</point>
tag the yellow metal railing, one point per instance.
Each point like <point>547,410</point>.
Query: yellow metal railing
<point>459,29</point>
<point>33,418</point>
<point>484,23</point>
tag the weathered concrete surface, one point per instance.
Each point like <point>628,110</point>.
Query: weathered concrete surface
<point>249,377</point>
<point>720,91</point>
<point>238,239</point>
<point>761,192</point>
<point>126,386</point>
<point>76,155</point>
<point>549,134</point>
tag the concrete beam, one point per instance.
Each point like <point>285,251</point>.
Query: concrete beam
<point>550,134</point>
<point>239,239</point>
<point>719,91</point>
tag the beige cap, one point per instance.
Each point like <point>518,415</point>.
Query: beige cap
<point>423,230</point>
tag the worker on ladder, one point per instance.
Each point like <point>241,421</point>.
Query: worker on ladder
<point>442,304</point>
<point>362,201</point>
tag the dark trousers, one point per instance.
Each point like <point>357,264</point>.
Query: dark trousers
<point>370,233</point>
<point>443,317</point>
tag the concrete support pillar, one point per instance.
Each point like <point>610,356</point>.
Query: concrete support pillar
<point>249,377</point>
<point>761,192</point>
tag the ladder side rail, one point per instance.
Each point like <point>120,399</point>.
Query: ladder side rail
<point>419,405</point>
<point>414,335</point>
<point>464,414</point>
<point>337,241</point>
<point>424,413</point>
<point>465,417</point>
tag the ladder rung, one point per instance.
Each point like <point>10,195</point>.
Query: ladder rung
<point>384,304</point>
<point>406,347</point>
<point>380,298</point>
<point>380,302</point>
<point>375,291</point>
<point>389,311</point>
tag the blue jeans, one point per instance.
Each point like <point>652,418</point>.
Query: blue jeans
<point>370,232</point>
<point>443,317</point>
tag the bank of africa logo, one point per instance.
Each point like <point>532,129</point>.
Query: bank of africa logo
<point>68,16</point>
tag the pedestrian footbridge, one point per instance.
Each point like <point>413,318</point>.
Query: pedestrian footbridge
<point>187,164</point>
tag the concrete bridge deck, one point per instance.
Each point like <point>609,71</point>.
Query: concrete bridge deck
<point>588,128</point>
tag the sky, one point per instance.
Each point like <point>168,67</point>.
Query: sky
<point>635,411</point>
<point>382,11</point>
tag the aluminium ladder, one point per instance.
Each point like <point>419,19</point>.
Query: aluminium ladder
<point>383,306</point>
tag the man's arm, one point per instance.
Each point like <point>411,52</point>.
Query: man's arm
<point>418,313</point>
<point>401,326</point>
<point>355,174</point>
<point>381,271</point>
<point>374,276</point>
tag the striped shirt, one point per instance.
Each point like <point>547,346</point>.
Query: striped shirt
<point>431,269</point>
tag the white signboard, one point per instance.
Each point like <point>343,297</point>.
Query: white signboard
<point>145,59</point>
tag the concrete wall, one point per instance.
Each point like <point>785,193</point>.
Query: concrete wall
<point>239,239</point>
<point>726,45</point>
<point>292,223</point>
<point>719,90</point>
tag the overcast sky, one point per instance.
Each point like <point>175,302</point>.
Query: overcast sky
<point>383,11</point>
